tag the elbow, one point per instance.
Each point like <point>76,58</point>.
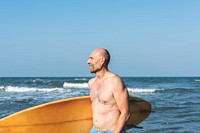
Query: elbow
<point>128,115</point>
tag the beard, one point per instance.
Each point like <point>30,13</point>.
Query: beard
<point>94,70</point>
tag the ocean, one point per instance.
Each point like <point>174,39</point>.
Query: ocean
<point>175,100</point>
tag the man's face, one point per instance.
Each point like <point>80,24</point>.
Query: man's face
<point>94,62</point>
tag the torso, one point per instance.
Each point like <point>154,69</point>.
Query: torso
<point>105,110</point>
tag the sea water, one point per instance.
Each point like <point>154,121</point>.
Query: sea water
<point>175,100</point>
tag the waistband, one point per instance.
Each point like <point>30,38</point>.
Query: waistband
<point>93,130</point>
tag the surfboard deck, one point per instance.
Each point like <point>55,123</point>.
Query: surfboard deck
<point>73,115</point>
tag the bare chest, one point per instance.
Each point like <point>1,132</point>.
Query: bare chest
<point>101,93</point>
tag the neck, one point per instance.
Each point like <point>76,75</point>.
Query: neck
<point>102,73</point>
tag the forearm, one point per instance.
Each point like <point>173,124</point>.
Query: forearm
<point>123,118</point>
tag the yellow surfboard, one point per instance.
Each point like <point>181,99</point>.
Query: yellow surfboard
<point>72,115</point>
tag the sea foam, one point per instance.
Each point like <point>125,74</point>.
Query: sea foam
<point>141,90</point>
<point>75,85</point>
<point>27,89</point>
<point>130,90</point>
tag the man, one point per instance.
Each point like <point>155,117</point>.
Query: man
<point>108,94</point>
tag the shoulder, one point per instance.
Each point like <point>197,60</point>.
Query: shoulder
<point>91,81</point>
<point>116,81</point>
<point>114,78</point>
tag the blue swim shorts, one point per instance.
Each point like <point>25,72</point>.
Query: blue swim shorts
<point>93,130</point>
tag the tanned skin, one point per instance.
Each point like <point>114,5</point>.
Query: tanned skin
<point>108,94</point>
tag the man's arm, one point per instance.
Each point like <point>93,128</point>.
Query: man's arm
<point>121,97</point>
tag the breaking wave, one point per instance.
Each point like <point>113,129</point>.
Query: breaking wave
<point>75,85</point>
<point>142,90</point>
<point>27,89</point>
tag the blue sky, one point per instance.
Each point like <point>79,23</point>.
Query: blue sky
<point>55,38</point>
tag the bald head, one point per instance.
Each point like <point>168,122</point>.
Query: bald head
<point>104,53</point>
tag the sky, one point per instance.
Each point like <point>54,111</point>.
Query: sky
<point>48,38</point>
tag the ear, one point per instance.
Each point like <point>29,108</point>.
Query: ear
<point>102,61</point>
